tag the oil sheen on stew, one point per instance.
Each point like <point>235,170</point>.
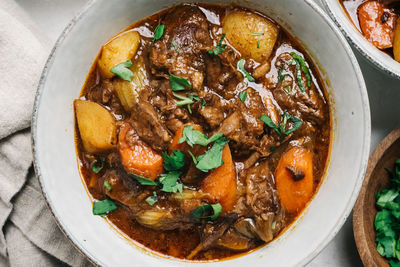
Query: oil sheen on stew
<point>202,131</point>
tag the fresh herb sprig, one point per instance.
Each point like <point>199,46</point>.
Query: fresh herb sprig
<point>194,137</point>
<point>122,70</point>
<point>243,96</point>
<point>208,211</point>
<point>301,66</point>
<point>220,47</point>
<point>151,200</point>
<point>103,207</point>
<point>97,165</point>
<point>188,100</point>
<point>240,67</point>
<point>280,129</point>
<point>178,83</point>
<point>158,32</point>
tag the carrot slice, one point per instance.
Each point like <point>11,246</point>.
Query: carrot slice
<point>179,133</point>
<point>377,23</point>
<point>138,157</point>
<point>294,178</point>
<point>221,182</point>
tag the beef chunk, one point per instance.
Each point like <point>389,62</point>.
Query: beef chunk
<point>150,127</point>
<point>188,28</point>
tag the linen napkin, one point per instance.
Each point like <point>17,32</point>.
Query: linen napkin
<point>29,235</point>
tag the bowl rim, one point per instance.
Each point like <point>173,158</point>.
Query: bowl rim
<point>368,48</point>
<point>363,163</point>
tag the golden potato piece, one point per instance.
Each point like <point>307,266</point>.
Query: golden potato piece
<point>396,43</point>
<point>96,126</point>
<point>244,29</point>
<point>119,49</point>
<point>128,92</point>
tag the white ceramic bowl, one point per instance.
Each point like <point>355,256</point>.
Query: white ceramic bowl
<point>376,57</point>
<point>56,161</point>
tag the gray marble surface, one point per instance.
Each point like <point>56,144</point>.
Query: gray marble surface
<point>52,16</point>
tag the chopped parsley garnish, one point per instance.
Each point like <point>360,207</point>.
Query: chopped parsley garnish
<point>243,96</point>
<point>158,32</point>
<point>175,45</point>
<point>122,70</point>
<point>178,84</point>
<point>240,67</point>
<point>151,200</point>
<point>175,161</point>
<point>195,137</point>
<point>189,100</point>
<point>219,48</point>
<point>258,43</point>
<point>184,100</point>
<point>107,185</point>
<point>282,125</point>
<point>257,33</point>
<point>169,182</point>
<point>143,180</point>
<point>208,211</point>
<point>387,220</point>
<point>103,207</point>
<point>212,159</point>
<point>301,66</point>
<point>97,166</point>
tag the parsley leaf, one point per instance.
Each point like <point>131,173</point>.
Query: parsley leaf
<point>151,200</point>
<point>170,183</point>
<point>194,137</point>
<point>178,84</point>
<point>175,45</point>
<point>122,71</point>
<point>143,180</point>
<point>219,48</point>
<point>212,158</point>
<point>267,120</point>
<point>240,67</point>
<point>158,32</point>
<point>103,207</point>
<point>175,161</point>
<point>243,96</point>
<point>280,129</point>
<point>97,166</point>
<point>107,185</point>
<point>301,66</point>
<point>215,209</point>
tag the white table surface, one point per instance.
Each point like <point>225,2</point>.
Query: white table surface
<point>51,16</point>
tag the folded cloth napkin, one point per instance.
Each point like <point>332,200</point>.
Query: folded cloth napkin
<point>29,236</point>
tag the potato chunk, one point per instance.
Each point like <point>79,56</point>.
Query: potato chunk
<point>128,92</point>
<point>396,43</point>
<point>244,29</point>
<point>119,49</point>
<point>96,126</point>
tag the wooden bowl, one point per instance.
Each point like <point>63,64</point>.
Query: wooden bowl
<point>376,178</point>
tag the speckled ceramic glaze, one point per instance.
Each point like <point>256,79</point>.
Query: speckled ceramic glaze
<point>376,57</point>
<point>56,161</point>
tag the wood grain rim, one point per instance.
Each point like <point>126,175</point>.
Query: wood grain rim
<point>359,219</point>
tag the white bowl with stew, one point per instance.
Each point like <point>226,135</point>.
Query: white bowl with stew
<point>378,58</point>
<point>55,157</point>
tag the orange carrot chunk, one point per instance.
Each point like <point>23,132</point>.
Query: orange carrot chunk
<point>136,156</point>
<point>178,135</point>
<point>221,182</point>
<point>294,178</point>
<point>377,23</point>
